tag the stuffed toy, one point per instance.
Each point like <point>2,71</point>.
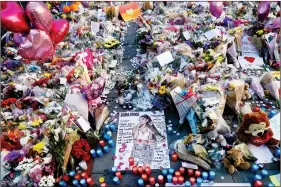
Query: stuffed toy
<point>216,139</point>
<point>255,128</point>
<point>246,93</point>
<point>235,159</point>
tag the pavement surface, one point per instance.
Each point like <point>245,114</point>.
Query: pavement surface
<point>103,165</point>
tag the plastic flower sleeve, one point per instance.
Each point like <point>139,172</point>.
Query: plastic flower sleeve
<point>257,88</point>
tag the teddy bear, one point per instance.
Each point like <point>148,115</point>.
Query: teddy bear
<point>246,93</point>
<point>216,138</point>
<point>255,128</point>
<point>235,159</point>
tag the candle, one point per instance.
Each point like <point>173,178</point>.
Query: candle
<point>169,178</point>
<point>256,109</point>
<point>99,153</point>
<point>187,184</point>
<point>119,175</point>
<point>197,173</point>
<point>75,182</point>
<point>116,180</point>
<point>181,179</point>
<point>277,153</point>
<point>257,177</point>
<point>171,171</point>
<point>144,176</point>
<point>112,128</point>
<point>62,183</point>
<point>254,168</point>
<point>177,174</point>
<point>271,114</point>
<point>151,180</point>
<point>199,181</point>
<point>182,170</point>
<point>83,182</point>
<point>161,179</point>
<point>111,143</point>
<point>164,172</point>
<point>71,173</point>
<point>264,173</point>
<point>190,172</point>
<point>140,182</point>
<point>114,170</point>
<point>93,153</point>
<point>135,170</point>
<point>102,143</point>
<point>106,149</point>
<point>90,181</point>
<point>84,175</point>
<point>131,161</point>
<point>140,170</point>
<point>258,183</point>
<point>204,175</point>
<point>212,175</point>
<point>103,184</point>
<point>175,180</point>
<point>107,137</point>
<point>174,157</point>
<point>169,130</point>
<point>77,176</point>
<point>147,170</point>
<point>107,128</point>
<point>65,178</point>
<point>192,180</point>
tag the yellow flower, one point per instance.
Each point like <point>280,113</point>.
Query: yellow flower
<point>162,90</point>
<point>220,59</point>
<point>22,126</point>
<point>63,16</point>
<point>49,5</point>
<point>39,148</point>
<point>46,74</point>
<point>260,32</point>
<point>211,88</point>
<point>37,122</point>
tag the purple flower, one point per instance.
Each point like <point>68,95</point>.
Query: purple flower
<point>12,156</point>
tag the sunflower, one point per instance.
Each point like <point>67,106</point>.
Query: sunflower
<point>162,90</point>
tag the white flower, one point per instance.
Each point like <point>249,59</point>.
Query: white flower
<point>47,181</point>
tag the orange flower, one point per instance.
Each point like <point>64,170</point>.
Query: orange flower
<point>66,9</point>
<point>73,7</point>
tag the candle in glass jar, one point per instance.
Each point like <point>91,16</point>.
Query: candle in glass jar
<point>160,179</point>
<point>151,180</point>
<point>147,170</point>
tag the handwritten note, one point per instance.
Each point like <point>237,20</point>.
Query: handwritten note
<point>250,61</point>
<point>165,58</point>
<point>262,153</point>
<point>150,147</point>
<point>248,48</point>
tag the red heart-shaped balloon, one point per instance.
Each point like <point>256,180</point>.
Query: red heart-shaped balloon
<point>37,46</point>
<point>13,17</point>
<point>59,30</point>
<point>249,59</point>
<point>39,15</point>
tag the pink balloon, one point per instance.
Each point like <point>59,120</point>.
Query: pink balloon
<point>39,15</point>
<point>95,89</point>
<point>59,30</point>
<point>276,23</point>
<point>13,17</point>
<point>18,38</point>
<point>37,46</point>
<point>263,10</point>
<point>216,9</point>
